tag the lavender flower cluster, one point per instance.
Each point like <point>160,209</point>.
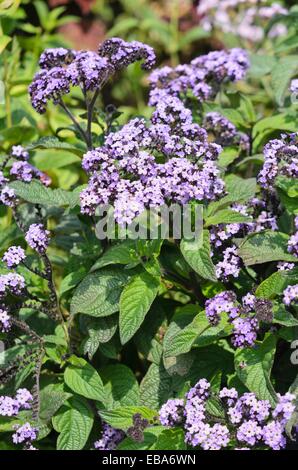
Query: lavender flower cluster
<point>25,433</point>
<point>280,160</point>
<point>110,438</point>
<point>224,131</point>
<point>245,324</point>
<point>20,170</point>
<point>263,212</point>
<point>290,295</point>
<point>62,68</point>
<point>202,77</point>
<point>248,421</point>
<point>12,406</point>
<point>11,283</point>
<point>244,18</point>
<point>125,171</point>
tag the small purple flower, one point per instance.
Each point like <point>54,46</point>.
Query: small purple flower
<point>110,438</point>
<point>11,282</point>
<point>37,238</point>
<point>244,332</point>
<point>3,180</point>
<point>222,302</point>
<point>290,295</point>
<point>230,265</point>
<point>8,406</point>
<point>25,433</point>
<point>249,432</point>
<point>171,413</point>
<point>24,398</point>
<point>22,171</point>
<point>293,244</point>
<point>5,321</point>
<point>8,197</point>
<point>18,151</point>
<point>14,256</point>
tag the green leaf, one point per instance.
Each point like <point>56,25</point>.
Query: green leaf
<point>98,294</point>
<point>199,332</point>
<point>170,439</point>
<point>155,387</point>
<point>74,423</point>
<point>281,75</point>
<point>276,283</point>
<point>239,190</point>
<point>52,397</point>
<point>291,42</point>
<point>135,302</point>
<point>71,280</point>
<point>253,367</point>
<point>261,65</point>
<point>100,330</point>
<point>121,386</point>
<point>121,418</point>
<point>264,247</point>
<point>288,185</point>
<point>198,256</point>
<point>150,436</point>
<point>55,144</point>
<point>123,253</point>
<point>37,193</point>
<point>283,317</point>
<point>227,216</point>
<point>4,41</point>
<point>83,379</point>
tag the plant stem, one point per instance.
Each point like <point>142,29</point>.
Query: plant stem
<point>90,108</point>
<point>75,122</point>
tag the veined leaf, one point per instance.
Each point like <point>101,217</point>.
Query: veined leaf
<point>135,301</point>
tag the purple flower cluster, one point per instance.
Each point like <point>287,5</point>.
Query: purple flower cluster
<point>25,434</point>
<point>37,238</point>
<point>247,19</point>
<point>110,438</point>
<point>284,266</point>
<point>253,422</point>
<point>11,282</point>
<point>8,197</point>
<point>294,86</point>
<point>230,265</point>
<point>62,68</point>
<point>280,160</point>
<point>224,131</point>
<point>20,170</point>
<point>290,295</point>
<point>5,322</point>
<point>202,77</point>
<point>126,173</point>
<point>14,256</point>
<point>293,241</point>
<point>222,302</point>
<point>12,406</point>
<point>245,325</point>
<point>19,153</point>
<point>172,412</point>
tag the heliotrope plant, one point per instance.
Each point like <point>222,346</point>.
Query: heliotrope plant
<point>149,342</point>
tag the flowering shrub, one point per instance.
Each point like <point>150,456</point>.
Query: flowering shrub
<point>142,342</point>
